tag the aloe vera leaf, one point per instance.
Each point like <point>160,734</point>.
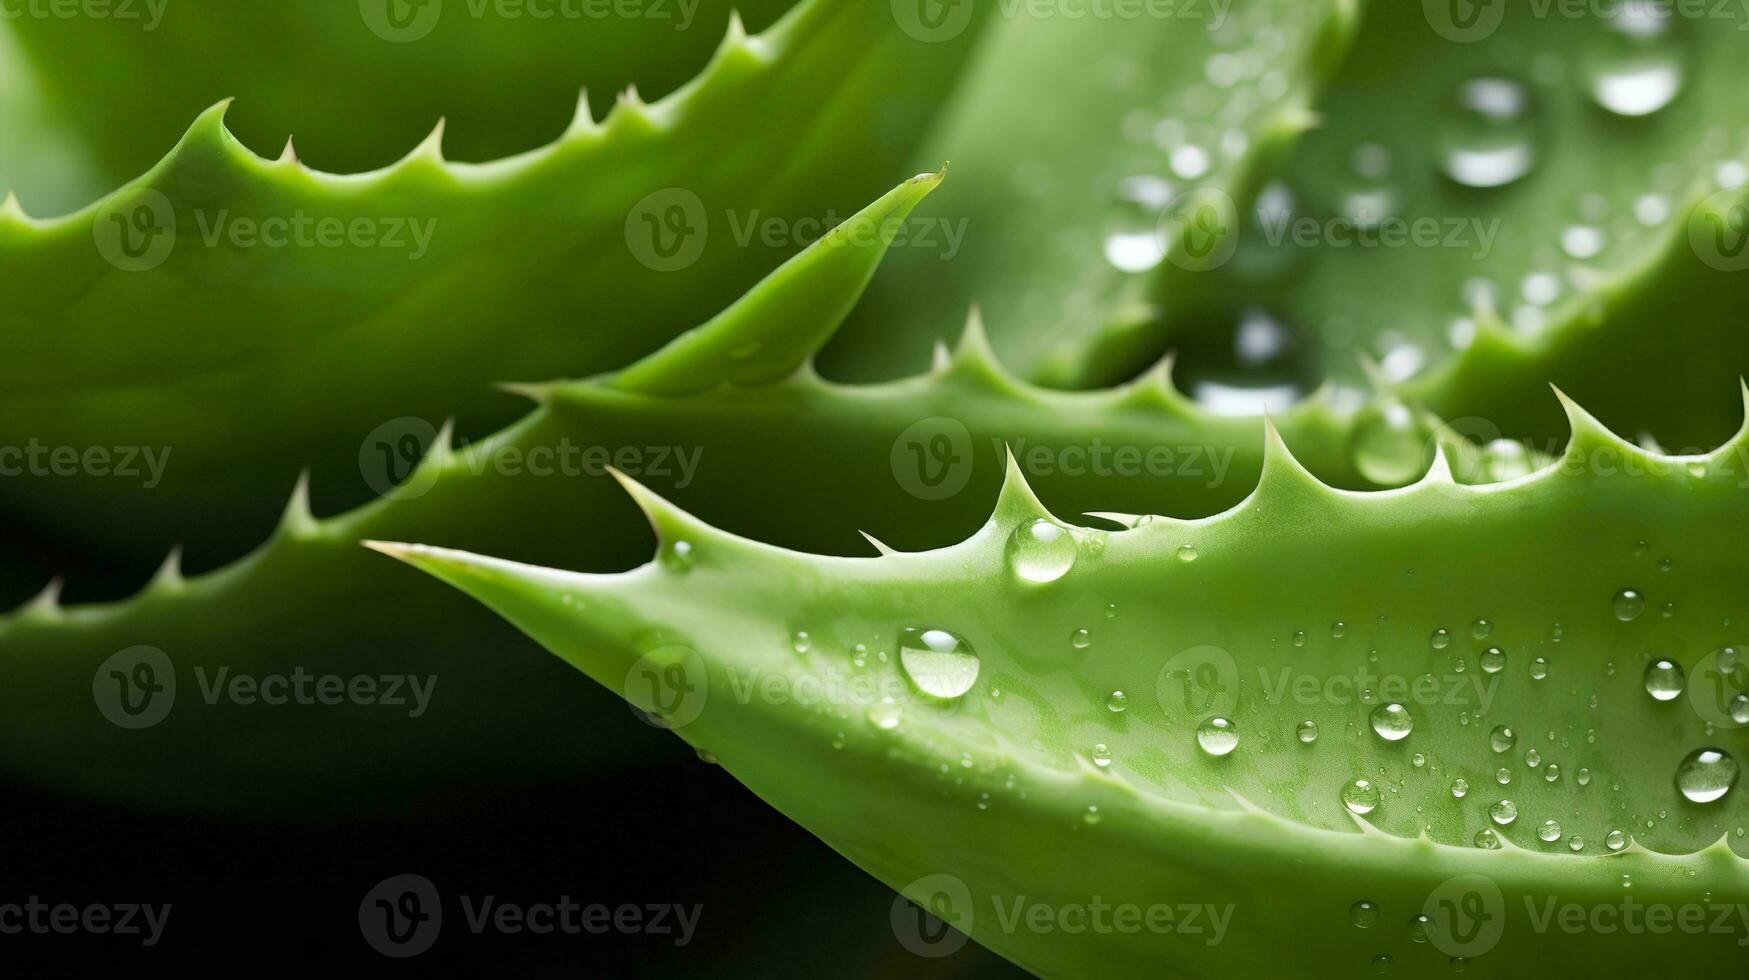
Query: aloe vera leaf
<point>990,754</point>
<point>1057,172</point>
<point>1554,260</point>
<point>504,78</point>
<point>533,268</point>
<point>908,460</point>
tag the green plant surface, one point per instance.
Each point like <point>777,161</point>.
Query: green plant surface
<point>1053,170</point>
<point>982,770</point>
<point>1553,277</point>
<point>238,363</point>
<point>909,461</point>
<point>364,90</point>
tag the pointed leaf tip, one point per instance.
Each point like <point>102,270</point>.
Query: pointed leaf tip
<point>772,330</point>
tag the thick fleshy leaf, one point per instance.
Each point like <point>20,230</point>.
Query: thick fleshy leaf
<point>227,320</point>
<point>1429,727</point>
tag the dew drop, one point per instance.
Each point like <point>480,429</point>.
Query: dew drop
<point>1533,758</point>
<point>1101,755</point>
<point>1615,840</point>
<point>1576,843</point>
<point>1740,709</point>
<point>1187,553</point>
<point>1440,639</point>
<point>1539,668</point>
<point>1081,639</point>
<point>940,663</point>
<point>1493,660</point>
<point>1487,840</point>
<point>1392,722</point>
<point>1460,787</point>
<point>1388,445</point>
<point>1418,760</point>
<point>679,556</point>
<point>1665,680</point>
<point>1218,736</point>
<point>1503,775</point>
<point>1551,773</point>
<point>1338,629</point>
<point>1481,629</point>
<point>1706,775</point>
<point>1116,702</point>
<point>1090,816</point>
<point>1418,929</point>
<point>884,715</point>
<point>1550,831</point>
<point>1360,796</point>
<point>1041,551</point>
<point>801,642</point>
<point>1583,777</point>
<point>1134,241</point>
<point>1363,914</point>
<point>1502,739</point>
<point>1503,813</point>
<point>1636,65</point>
<point>1488,138</point>
<point>1628,604</point>
<point>1307,732</point>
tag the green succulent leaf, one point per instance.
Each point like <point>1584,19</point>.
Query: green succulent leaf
<point>909,460</point>
<point>1061,178</point>
<point>365,88</point>
<point>1328,699</point>
<point>144,322</point>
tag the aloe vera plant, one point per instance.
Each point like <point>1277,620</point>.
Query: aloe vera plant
<point>1364,688</point>
<point>548,245</point>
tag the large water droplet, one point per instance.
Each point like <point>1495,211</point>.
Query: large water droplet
<point>1360,796</point>
<point>1307,732</point>
<point>1116,702</point>
<point>1460,787</point>
<point>940,663</point>
<point>1550,831</point>
<point>1134,241</point>
<point>1363,914</point>
<point>1493,660</point>
<point>1041,551</point>
<point>1615,840</point>
<point>1489,135</point>
<point>1637,63</point>
<point>1503,813</point>
<point>1665,680</point>
<point>1706,774</point>
<point>1389,446</point>
<point>1218,736</point>
<point>1628,604</point>
<point>1502,739</point>
<point>1392,722</point>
